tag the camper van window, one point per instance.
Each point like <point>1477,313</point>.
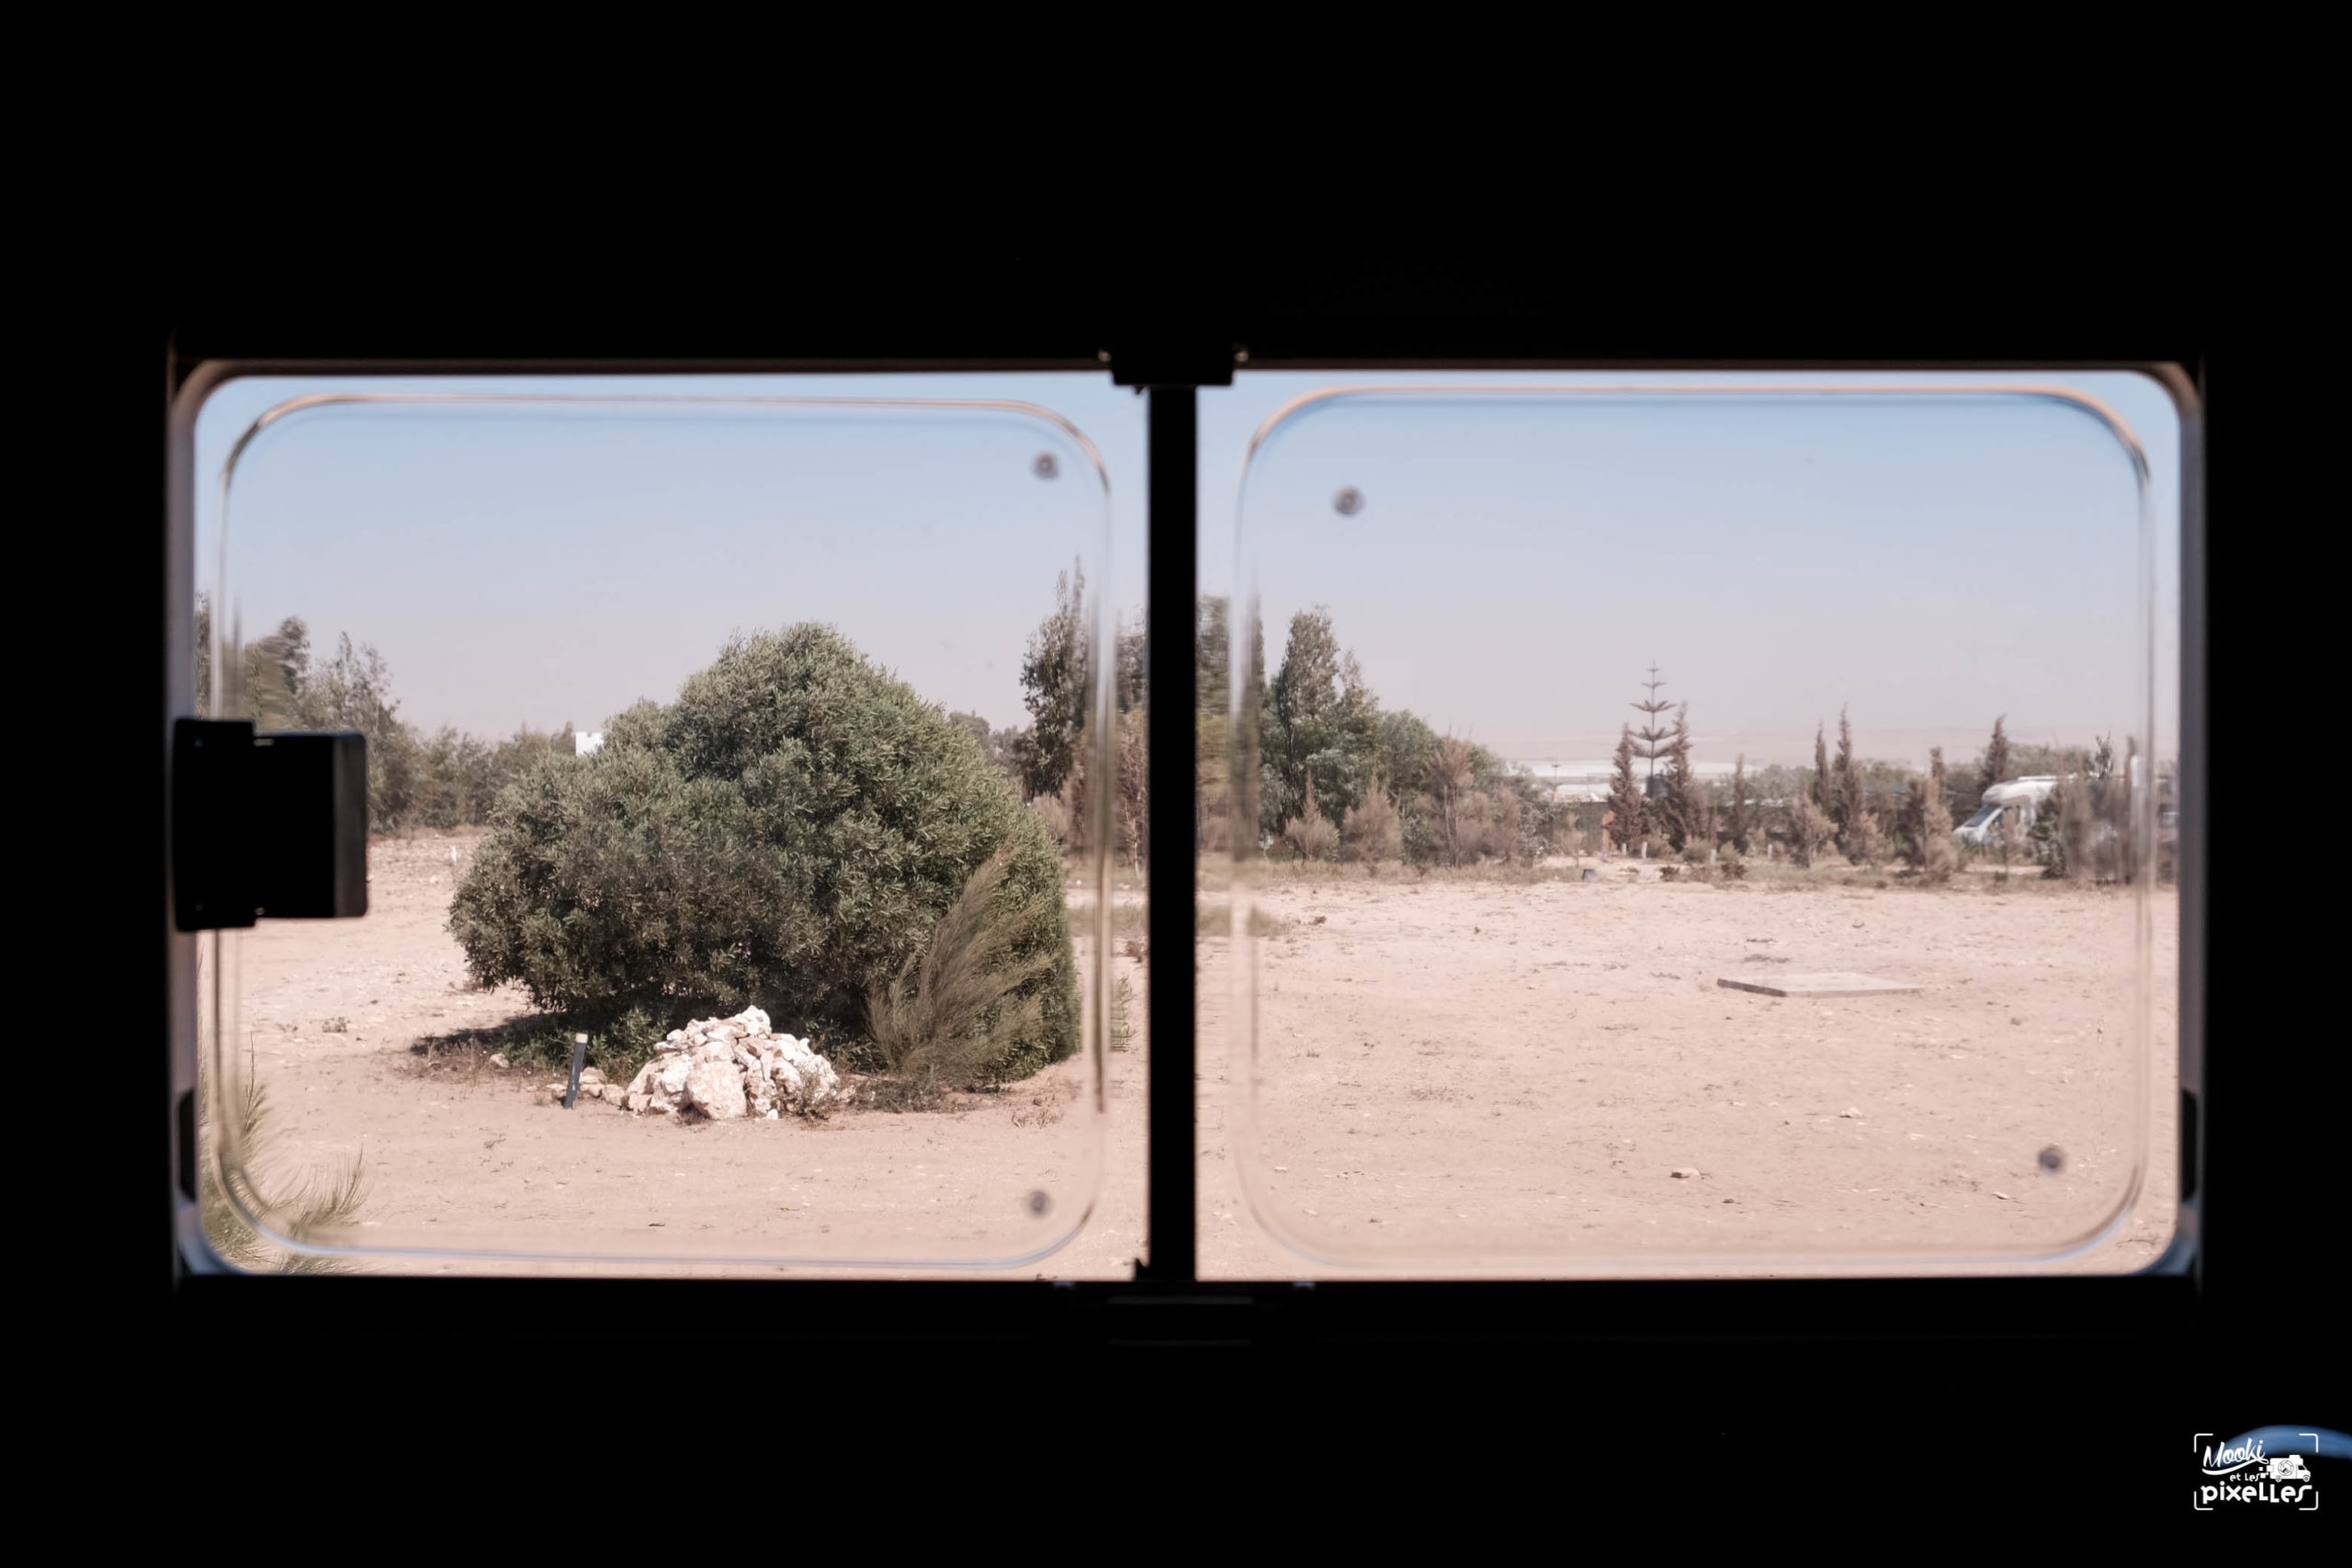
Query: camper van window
<point>758,780</point>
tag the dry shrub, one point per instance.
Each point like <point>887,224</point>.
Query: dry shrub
<point>951,1018</point>
<point>1810,831</point>
<point>322,1202</point>
<point>1372,830</point>
<point>1310,835</point>
<point>1451,766</point>
<point>1866,844</point>
<point>1488,824</point>
<point>1938,851</point>
<point>1732,866</point>
<point>1053,813</point>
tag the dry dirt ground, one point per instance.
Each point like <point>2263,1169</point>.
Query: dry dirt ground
<point>1454,1077</point>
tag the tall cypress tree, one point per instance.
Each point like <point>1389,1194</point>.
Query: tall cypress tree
<point>1846,788</point>
<point>1820,768</point>
<point>1624,793</point>
<point>1997,766</point>
<point>1679,803</point>
<point>1736,824</point>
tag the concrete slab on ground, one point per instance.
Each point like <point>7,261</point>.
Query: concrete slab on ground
<point>1818,986</point>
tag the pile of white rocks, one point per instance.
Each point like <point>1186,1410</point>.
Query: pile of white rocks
<point>725,1069</point>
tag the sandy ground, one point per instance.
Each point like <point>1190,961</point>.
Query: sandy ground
<point>1453,1077</point>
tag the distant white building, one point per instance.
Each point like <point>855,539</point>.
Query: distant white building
<point>1589,780</point>
<point>587,743</point>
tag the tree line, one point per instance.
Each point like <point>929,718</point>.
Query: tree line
<point>1339,777</point>
<point>1336,776</point>
<point>1871,812</point>
<point>437,779</point>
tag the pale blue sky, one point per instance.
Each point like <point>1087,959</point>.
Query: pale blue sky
<point>1515,566</point>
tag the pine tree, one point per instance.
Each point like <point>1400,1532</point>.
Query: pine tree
<point>1212,730</point>
<point>1820,790</point>
<point>1679,804</point>
<point>1650,739</point>
<point>1322,718</point>
<point>278,674</point>
<point>1053,680</point>
<point>1735,822</point>
<point>203,673</point>
<point>1624,793</point>
<point>1997,768</point>
<point>1845,786</point>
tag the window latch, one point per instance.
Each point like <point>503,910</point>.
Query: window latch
<point>267,826</point>
<point>1190,361</point>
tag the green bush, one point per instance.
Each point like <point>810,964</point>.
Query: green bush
<point>788,833</point>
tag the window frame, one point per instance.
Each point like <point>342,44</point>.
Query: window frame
<point>1166,1304</point>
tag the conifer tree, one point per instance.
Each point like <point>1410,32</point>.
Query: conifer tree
<point>1997,767</point>
<point>1624,793</point>
<point>1679,805</point>
<point>1938,856</point>
<point>1846,785</point>
<point>1735,820</point>
<point>1652,737</point>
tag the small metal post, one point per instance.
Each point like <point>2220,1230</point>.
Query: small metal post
<point>579,1060</point>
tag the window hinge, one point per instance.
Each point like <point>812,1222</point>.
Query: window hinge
<point>267,826</point>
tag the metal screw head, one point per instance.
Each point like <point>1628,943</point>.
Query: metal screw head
<point>1348,502</point>
<point>2054,1158</point>
<point>1045,467</point>
<point>1038,1204</point>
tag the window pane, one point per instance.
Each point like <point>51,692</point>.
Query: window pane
<point>1696,827</point>
<point>697,731</point>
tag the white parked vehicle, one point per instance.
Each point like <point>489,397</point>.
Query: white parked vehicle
<point>2013,802</point>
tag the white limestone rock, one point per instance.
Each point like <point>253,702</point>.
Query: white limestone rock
<point>716,1088</point>
<point>729,1067</point>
